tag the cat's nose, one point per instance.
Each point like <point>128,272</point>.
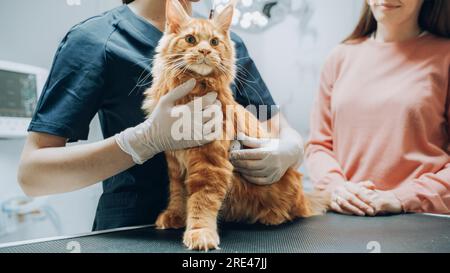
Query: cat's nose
<point>204,51</point>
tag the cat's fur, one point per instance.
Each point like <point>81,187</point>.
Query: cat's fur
<point>202,181</point>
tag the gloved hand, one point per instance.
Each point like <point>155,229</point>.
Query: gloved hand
<point>267,160</point>
<point>157,133</point>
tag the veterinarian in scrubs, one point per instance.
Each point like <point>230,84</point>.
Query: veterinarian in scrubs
<point>103,66</point>
<point>380,126</point>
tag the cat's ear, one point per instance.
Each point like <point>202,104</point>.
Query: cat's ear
<point>225,18</point>
<point>176,16</point>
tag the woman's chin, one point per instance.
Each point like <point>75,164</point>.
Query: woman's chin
<point>201,69</point>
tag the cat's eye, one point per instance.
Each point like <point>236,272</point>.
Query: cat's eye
<point>214,41</point>
<point>190,39</point>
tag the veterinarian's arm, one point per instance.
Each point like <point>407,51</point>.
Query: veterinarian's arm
<point>48,166</point>
<point>269,159</point>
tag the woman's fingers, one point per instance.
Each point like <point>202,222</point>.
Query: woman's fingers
<point>368,197</point>
<point>335,207</point>
<point>359,198</point>
<point>362,206</point>
<point>356,199</point>
<point>345,199</point>
<point>368,185</point>
<point>346,205</point>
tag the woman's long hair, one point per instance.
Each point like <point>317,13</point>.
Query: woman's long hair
<point>434,18</point>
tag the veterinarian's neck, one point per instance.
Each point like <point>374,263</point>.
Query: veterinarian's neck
<point>155,11</point>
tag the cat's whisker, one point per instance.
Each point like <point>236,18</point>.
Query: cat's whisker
<point>252,89</point>
<point>240,77</point>
<point>225,70</point>
<point>176,67</point>
<point>247,73</point>
<point>174,59</point>
<point>175,54</point>
<point>243,81</point>
<point>141,83</point>
<point>173,65</point>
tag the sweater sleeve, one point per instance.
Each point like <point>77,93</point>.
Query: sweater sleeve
<point>321,162</point>
<point>428,193</point>
<point>431,191</point>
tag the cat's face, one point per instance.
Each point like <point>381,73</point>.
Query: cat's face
<point>197,45</point>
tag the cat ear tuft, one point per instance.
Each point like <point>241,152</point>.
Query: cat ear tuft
<point>225,18</point>
<point>176,15</point>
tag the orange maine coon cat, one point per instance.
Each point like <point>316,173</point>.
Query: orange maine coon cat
<point>202,182</point>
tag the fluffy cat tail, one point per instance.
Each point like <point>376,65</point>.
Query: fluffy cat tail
<point>319,202</point>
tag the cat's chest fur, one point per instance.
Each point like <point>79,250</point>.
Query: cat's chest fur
<point>219,148</point>
<point>206,85</point>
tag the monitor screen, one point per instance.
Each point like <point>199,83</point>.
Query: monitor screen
<point>18,94</point>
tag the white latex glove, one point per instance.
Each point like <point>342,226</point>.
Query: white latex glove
<point>267,160</point>
<point>156,134</point>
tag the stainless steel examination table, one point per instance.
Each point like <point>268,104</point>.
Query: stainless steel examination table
<point>329,233</point>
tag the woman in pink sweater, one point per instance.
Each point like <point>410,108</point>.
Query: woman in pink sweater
<point>380,126</point>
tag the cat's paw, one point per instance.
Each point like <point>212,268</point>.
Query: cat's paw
<point>201,239</point>
<point>170,220</point>
<point>273,219</point>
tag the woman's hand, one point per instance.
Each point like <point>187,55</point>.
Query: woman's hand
<point>383,202</point>
<point>348,198</point>
<point>156,134</point>
<point>363,199</point>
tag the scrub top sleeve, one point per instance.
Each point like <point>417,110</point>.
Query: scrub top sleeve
<point>74,89</point>
<point>249,88</point>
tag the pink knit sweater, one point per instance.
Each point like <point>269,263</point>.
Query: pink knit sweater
<point>382,114</point>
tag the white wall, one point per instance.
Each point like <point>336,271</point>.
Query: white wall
<point>288,61</point>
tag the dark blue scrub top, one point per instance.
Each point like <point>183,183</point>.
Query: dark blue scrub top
<point>103,66</point>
